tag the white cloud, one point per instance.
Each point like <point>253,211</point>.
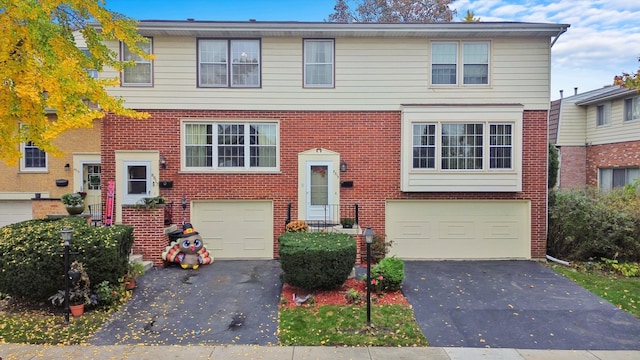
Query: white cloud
<point>602,41</point>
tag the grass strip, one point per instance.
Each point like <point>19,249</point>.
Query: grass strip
<point>392,325</point>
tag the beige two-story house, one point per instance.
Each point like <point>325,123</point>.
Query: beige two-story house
<point>434,135</point>
<point>598,135</point>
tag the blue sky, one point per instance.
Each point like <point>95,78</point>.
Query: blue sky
<point>603,40</point>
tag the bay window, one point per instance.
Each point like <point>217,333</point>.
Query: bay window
<point>462,146</point>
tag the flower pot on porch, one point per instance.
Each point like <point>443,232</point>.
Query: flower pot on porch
<point>77,310</point>
<point>75,210</point>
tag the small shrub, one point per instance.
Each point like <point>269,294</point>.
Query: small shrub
<point>297,226</point>
<point>353,296</point>
<point>628,269</point>
<point>380,247</point>
<point>316,260</point>
<point>391,269</point>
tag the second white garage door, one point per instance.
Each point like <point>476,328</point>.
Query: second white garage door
<point>235,229</point>
<point>476,229</point>
<point>13,211</point>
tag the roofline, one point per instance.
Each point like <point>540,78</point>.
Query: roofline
<point>615,94</point>
<point>286,28</point>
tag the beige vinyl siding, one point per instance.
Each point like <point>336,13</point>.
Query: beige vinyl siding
<point>571,129</point>
<point>370,74</point>
<point>617,131</point>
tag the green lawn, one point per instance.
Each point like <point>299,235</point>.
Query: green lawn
<point>623,292</point>
<point>392,325</point>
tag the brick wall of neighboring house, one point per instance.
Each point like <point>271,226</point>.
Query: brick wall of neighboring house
<point>572,167</point>
<point>368,141</point>
<point>624,154</point>
<point>40,208</point>
<point>70,141</point>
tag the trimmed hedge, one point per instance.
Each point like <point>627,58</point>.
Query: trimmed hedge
<point>316,260</point>
<point>32,262</point>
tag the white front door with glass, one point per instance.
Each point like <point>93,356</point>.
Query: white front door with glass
<point>138,181</point>
<point>320,192</point>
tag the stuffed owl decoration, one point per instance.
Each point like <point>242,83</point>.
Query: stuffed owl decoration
<point>188,250</point>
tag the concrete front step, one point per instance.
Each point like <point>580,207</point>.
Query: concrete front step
<point>138,258</point>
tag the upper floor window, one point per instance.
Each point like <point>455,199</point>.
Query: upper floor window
<point>609,178</point>
<point>461,146</point>
<point>241,146</point>
<point>228,63</point>
<point>632,108</point>
<point>92,72</point>
<point>141,73</point>
<point>446,58</point>
<point>603,114</point>
<point>33,159</point>
<point>318,62</point>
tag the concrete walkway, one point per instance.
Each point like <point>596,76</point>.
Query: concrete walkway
<point>244,352</point>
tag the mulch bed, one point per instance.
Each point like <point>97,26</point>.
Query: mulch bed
<point>337,296</point>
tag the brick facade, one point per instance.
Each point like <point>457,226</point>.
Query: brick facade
<point>623,154</point>
<point>368,141</point>
<point>572,167</point>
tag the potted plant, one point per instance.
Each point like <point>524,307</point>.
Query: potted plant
<point>79,292</point>
<point>347,223</point>
<point>134,271</point>
<point>73,202</point>
<point>151,202</point>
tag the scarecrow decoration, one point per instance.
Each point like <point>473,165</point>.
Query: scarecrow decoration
<point>188,250</point>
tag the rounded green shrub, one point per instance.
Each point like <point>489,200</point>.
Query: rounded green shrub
<point>316,260</point>
<point>391,269</point>
<point>32,262</point>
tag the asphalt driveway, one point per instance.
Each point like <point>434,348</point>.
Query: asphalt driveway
<point>512,304</point>
<point>226,302</point>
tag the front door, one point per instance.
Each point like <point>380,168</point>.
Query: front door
<point>320,194</point>
<point>92,183</point>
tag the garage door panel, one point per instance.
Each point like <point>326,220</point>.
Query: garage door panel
<point>14,211</point>
<point>235,229</point>
<point>474,229</point>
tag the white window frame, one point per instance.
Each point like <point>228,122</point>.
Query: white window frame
<point>606,177</point>
<point>489,142</point>
<point>309,63</point>
<point>603,114</point>
<point>231,65</point>
<point>212,147</point>
<point>26,163</point>
<point>632,108</point>
<point>133,198</point>
<point>140,62</point>
<point>462,63</point>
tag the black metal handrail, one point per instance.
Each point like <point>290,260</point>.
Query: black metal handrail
<point>334,215</point>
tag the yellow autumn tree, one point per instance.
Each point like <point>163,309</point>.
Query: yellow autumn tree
<point>42,70</point>
<point>631,81</point>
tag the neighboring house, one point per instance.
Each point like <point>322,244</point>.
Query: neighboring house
<point>598,137</point>
<point>37,172</point>
<point>438,132</point>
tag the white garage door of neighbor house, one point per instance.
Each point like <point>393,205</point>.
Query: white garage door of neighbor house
<point>235,229</point>
<point>475,229</point>
<point>13,211</point>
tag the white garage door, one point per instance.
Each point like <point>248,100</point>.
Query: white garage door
<point>13,211</point>
<point>235,229</point>
<point>422,229</point>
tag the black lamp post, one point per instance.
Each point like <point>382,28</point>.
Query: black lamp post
<point>368,238</point>
<point>66,235</point>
